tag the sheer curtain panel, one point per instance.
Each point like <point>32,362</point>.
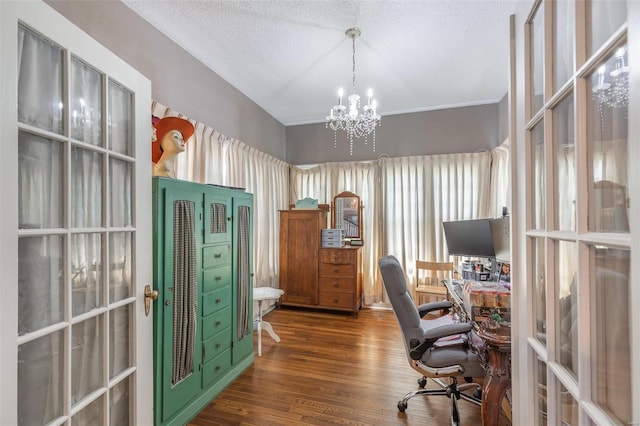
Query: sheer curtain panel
<point>419,193</point>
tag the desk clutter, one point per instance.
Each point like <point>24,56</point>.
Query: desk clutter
<point>482,299</point>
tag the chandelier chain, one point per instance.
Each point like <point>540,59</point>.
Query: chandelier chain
<point>353,59</point>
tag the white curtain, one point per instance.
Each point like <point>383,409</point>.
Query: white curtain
<point>212,157</point>
<point>420,193</point>
<point>500,180</point>
<point>324,181</point>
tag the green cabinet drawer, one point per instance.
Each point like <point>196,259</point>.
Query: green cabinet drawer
<point>214,346</point>
<point>217,255</point>
<point>215,369</point>
<point>216,322</point>
<point>217,300</point>
<point>216,278</point>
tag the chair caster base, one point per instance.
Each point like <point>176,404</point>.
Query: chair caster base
<point>422,382</point>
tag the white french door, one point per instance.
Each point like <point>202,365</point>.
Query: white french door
<point>75,223</point>
<point>577,290</point>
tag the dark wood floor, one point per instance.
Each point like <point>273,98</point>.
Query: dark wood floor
<point>328,369</point>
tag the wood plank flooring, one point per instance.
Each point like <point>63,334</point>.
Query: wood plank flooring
<point>328,369</point>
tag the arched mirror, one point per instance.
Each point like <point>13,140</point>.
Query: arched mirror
<point>347,214</point>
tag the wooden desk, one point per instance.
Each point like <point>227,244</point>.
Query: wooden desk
<point>495,353</point>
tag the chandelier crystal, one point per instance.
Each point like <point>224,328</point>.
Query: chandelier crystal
<point>611,89</point>
<point>357,124</point>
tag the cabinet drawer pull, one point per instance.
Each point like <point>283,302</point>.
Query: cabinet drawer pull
<point>218,367</point>
<point>336,270</point>
<point>218,323</point>
<point>218,345</point>
<point>217,255</point>
<point>336,285</point>
<point>218,300</point>
<point>336,300</point>
<point>218,278</point>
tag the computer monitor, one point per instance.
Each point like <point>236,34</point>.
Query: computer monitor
<point>501,237</point>
<point>469,238</point>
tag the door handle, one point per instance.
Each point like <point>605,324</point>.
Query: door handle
<point>149,295</point>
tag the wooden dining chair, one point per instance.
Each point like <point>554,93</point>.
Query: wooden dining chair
<point>428,277</point>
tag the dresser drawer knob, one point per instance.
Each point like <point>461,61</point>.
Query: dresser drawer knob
<point>218,278</point>
<point>336,285</point>
<point>218,323</point>
<point>336,270</point>
<point>218,300</point>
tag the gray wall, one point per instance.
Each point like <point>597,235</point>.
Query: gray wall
<point>445,131</point>
<point>178,80</point>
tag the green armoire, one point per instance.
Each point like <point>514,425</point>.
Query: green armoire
<point>203,272</point>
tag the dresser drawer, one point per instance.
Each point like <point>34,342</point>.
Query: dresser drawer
<point>214,346</point>
<point>217,300</point>
<point>216,278</point>
<point>218,255</point>
<point>341,284</point>
<point>336,299</point>
<point>216,322</point>
<point>216,368</point>
<point>346,256</point>
<point>336,270</point>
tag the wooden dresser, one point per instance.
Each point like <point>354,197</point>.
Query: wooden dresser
<point>340,279</point>
<point>315,277</point>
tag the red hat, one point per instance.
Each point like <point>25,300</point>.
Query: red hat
<point>165,125</point>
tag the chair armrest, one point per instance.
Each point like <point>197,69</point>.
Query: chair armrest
<point>420,346</point>
<point>425,308</point>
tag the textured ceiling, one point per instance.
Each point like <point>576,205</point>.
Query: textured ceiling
<point>291,56</point>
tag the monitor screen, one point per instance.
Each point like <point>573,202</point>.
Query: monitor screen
<point>469,238</point>
<point>501,236</point>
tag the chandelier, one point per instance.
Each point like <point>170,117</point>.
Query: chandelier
<point>357,124</point>
<point>611,90</point>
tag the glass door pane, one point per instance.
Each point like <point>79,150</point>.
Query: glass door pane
<point>567,306</point>
<point>539,267</point>
<point>565,165</point>
<point>86,103</point>
<point>611,346</point>
<point>40,182</point>
<point>537,60</point>
<point>564,23</point>
<point>539,200</point>
<point>607,144</point>
<point>119,122</point>
<point>541,415</point>
<point>39,81</point>
<point>604,18</point>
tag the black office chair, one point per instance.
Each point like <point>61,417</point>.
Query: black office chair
<point>435,348</point>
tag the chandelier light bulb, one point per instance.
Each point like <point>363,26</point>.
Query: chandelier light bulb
<point>340,94</point>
